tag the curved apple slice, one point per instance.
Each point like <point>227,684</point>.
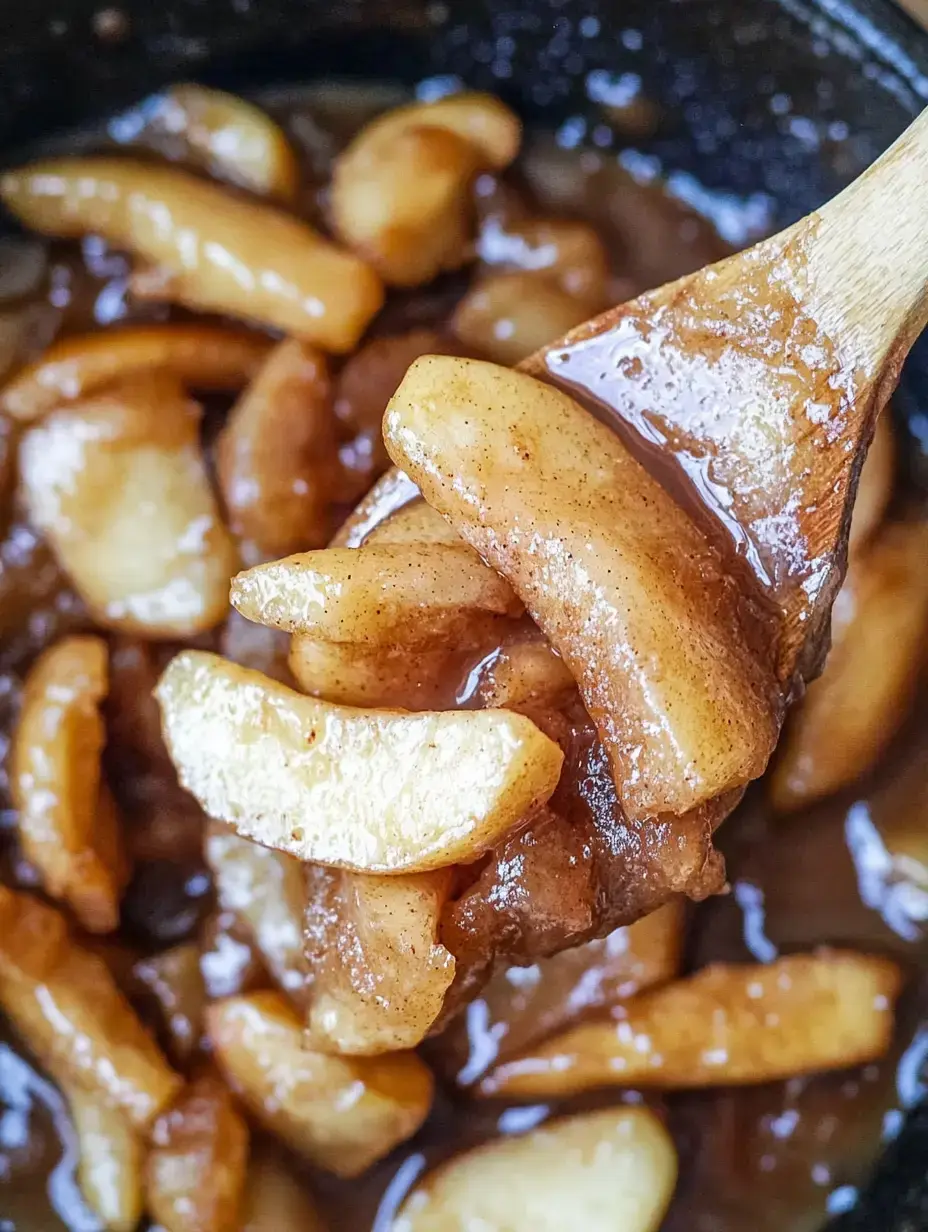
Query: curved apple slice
<point>379,791</point>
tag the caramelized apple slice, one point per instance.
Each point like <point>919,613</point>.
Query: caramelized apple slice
<point>400,191</point>
<point>379,972</point>
<point>615,574</point>
<point>724,1026</point>
<point>599,1171</point>
<point>195,1171</point>
<point>222,253</point>
<point>376,791</point>
<point>339,1114</point>
<point>411,595</point>
<point>199,355</point>
<point>68,824</point>
<point>173,982</point>
<point>852,711</point>
<point>64,1002</point>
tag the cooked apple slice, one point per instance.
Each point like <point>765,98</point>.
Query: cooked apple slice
<point>410,595</point>
<point>373,676</point>
<point>277,454</point>
<point>600,1171</point>
<point>520,1005</point>
<point>724,1026</point>
<point>68,824</point>
<point>220,252</point>
<point>339,1113</point>
<point>199,355</point>
<point>195,1171</point>
<point>851,712</point>
<point>276,1198</point>
<point>65,1004</point>
<point>228,136</point>
<point>172,984</point>
<point>376,791</point>
<point>613,571</point>
<point>118,485</point>
<point>264,889</point>
<point>379,972</point>
<point>111,1155</point>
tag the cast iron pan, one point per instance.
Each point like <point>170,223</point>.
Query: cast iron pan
<point>776,101</point>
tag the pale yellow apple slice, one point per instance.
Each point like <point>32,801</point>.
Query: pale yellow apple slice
<point>377,791</point>
<point>339,1113</point>
<point>619,578</point>
<point>608,1171</point>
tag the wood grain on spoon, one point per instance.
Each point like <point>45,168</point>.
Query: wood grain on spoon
<point>759,381</point>
<point>762,377</point>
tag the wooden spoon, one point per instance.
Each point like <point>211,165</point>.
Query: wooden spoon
<point>760,380</point>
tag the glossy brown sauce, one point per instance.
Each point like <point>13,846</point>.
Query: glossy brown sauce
<point>771,1158</point>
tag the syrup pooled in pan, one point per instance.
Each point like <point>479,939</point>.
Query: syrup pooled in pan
<point>852,871</point>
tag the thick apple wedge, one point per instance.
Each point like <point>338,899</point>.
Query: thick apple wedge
<point>406,594</point>
<point>378,971</point>
<point>612,1170</point>
<point>377,791</point>
<point>624,585</point>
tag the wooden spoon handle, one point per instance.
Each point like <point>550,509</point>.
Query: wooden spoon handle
<point>867,259</point>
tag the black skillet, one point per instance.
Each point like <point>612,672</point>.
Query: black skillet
<point>780,101</point>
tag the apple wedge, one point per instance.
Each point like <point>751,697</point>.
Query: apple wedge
<point>617,576</point>
<point>379,973</point>
<point>196,1168</point>
<point>377,791</point>
<point>726,1025</point>
<point>339,1113</point>
<point>65,1004</point>
<point>613,1170</point>
<point>853,710</point>
<point>409,595</point>
<point>264,889</point>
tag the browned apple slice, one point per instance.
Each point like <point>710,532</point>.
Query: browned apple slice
<point>111,1153</point>
<point>68,825</point>
<point>264,889</point>
<point>377,791</point>
<point>620,580</point>
<point>277,456</point>
<point>520,1005</point>
<point>228,136</point>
